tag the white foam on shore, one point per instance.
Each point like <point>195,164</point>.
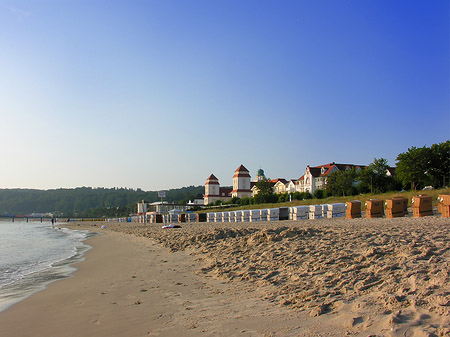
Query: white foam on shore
<point>24,283</point>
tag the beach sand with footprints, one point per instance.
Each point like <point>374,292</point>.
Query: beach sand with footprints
<point>325,277</point>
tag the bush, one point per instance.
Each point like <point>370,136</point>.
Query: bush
<point>305,195</point>
<point>235,201</point>
<point>283,197</point>
<point>318,194</point>
<point>263,199</point>
<point>297,196</point>
<point>245,201</point>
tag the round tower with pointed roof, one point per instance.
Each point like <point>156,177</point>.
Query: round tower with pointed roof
<point>241,183</point>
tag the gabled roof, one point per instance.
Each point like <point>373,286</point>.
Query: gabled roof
<point>241,168</point>
<point>316,171</point>
<point>241,171</point>
<point>274,181</point>
<point>212,180</point>
<point>212,177</point>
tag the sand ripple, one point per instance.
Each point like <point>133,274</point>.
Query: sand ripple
<point>367,269</point>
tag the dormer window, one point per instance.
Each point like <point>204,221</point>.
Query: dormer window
<point>322,170</point>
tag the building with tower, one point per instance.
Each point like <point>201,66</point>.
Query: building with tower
<point>260,176</point>
<point>241,183</point>
<point>241,187</point>
<point>214,192</point>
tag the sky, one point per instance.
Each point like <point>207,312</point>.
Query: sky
<point>159,94</point>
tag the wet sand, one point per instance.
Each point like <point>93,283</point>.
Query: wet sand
<point>329,277</point>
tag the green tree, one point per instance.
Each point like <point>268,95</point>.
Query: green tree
<point>439,170</point>
<point>412,167</point>
<point>341,182</point>
<point>374,177</point>
<point>265,192</point>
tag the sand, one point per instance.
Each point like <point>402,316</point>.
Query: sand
<point>329,277</point>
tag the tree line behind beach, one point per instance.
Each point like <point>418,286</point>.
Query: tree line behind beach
<point>86,201</point>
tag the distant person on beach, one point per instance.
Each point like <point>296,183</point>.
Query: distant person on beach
<point>53,221</point>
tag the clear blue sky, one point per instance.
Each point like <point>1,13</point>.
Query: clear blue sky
<point>160,94</point>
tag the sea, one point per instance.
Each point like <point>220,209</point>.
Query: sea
<point>33,254</point>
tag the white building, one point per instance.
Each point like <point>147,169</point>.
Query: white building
<point>241,183</point>
<point>290,186</point>
<point>279,185</point>
<point>214,192</point>
<point>315,178</point>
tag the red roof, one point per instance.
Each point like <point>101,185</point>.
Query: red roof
<point>212,180</point>
<point>284,181</point>
<point>316,171</point>
<point>241,171</point>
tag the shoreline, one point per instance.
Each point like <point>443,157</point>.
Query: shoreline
<point>141,280</point>
<point>33,281</point>
<point>130,286</point>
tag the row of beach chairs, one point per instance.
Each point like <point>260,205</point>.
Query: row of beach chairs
<point>375,208</point>
<point>275,214</point>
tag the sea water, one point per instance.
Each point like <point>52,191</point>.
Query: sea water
<point>33,254</point>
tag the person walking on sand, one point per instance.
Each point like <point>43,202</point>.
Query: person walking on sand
<point>53,222</point>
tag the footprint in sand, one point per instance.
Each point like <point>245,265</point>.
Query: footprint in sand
<point>96,321</point>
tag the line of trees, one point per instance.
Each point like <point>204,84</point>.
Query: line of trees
<point>423,166</point>
<point>415,169</point>
<point>86,201</point>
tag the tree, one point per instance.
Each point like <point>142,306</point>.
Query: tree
<point>341,182</point>
<point>439,170</point>
<point>412,167</point>
<point>265,192</point>
<point>374,177</point>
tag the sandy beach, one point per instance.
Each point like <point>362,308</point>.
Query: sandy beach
<point>329,277</point>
